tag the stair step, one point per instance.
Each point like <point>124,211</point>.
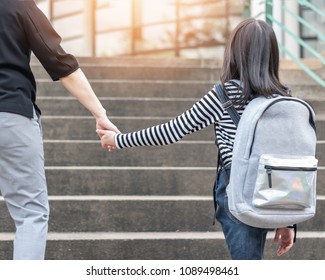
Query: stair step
<point>139,214</point>
<point>134,72</point>
<point>163,71</point>
<point>126,213</point>
<point>105,246</point>
<point>143,180</point>
<point>130,180</point>
<point>160,246</point>
<point>65,128</point>
<point>90,153</point>
<point>122,107</point>
<point>159,88</point>
<point>144,61</point>
<point>183,153</point>
<point>130,88</point>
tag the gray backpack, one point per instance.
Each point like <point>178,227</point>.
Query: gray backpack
<point>273,172</point>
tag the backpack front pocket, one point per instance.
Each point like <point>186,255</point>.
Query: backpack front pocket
<point>285,182</point>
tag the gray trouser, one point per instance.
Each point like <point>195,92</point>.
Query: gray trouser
<point>23,183</point>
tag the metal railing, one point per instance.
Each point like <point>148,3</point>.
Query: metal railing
<point>180,18</point>
<point>320,36</point>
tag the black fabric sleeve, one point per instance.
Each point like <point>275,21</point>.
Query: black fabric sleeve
<point>45,43</point>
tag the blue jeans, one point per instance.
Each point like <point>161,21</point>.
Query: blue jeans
<point>244,242</point>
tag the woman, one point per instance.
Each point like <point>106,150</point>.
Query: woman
<point>251,58</point>
<point>25,29</point>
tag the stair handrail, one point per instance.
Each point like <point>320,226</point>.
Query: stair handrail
<point>311,6</point>
<point>134,27</point>
<point>321,36</point>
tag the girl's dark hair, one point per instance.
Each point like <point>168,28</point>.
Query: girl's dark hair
<point>252,56</point>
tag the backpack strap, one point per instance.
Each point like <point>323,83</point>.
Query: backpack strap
<point>227,104</point>
<point>295,232</point>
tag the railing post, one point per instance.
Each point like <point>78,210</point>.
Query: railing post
<point>177,27</point>
<point>268,11</point>
<point>293,25</point>
<point>227,10</point>
<point>51,10</point>
<point>247,9</point>
<point>136,29</point>
<point>90,27</point>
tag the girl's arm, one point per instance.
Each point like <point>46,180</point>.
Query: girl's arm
<point>206,111</point>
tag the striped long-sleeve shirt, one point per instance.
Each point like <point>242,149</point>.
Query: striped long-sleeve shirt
<point>208,110</point>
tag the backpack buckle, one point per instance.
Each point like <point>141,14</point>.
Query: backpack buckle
<point>227,104</point>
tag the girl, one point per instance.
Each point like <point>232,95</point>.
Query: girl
<point>251,58</point>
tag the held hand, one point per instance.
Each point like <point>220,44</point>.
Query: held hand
<point>285,237</point>
<point>105,124</point>
<point>107,138</point>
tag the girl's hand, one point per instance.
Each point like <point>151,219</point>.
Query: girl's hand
<point>285,237</point>
<point>107,138</point>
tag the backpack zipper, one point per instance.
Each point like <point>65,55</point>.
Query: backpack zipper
<point>311,120</point>
<point>269,169</point>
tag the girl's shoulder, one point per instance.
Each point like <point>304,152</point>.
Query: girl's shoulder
<point>233,89</point>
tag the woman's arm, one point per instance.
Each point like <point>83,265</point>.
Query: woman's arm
<point>78,86</point>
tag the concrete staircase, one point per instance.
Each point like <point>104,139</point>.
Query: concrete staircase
<point>144,203</point>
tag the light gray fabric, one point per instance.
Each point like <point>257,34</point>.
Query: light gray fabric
<point>23,184</point>
<point>269,126</point>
